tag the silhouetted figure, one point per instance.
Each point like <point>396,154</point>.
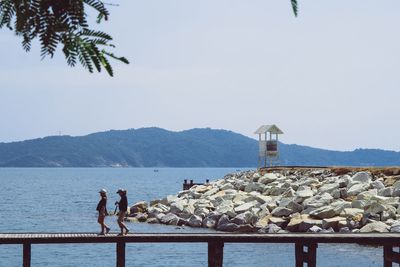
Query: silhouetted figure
<point>102,209</point>
<point>123,208</point>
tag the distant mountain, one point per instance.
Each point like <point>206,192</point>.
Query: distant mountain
<point>155,147</point>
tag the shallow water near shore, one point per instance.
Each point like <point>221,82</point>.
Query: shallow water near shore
<point>64,200</point>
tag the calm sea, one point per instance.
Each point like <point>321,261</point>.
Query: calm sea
<point>64,200</point>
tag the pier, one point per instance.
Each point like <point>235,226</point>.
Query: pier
<point>306,244</point>
<point>187,185</point>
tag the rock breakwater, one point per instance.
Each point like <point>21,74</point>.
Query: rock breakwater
<point>284,200</point>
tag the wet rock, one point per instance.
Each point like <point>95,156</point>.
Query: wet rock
<point>195,221</point>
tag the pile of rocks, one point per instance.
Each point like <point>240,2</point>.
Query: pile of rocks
<point>283,200</point>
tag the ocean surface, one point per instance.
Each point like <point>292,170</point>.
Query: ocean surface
<point>64,200</point>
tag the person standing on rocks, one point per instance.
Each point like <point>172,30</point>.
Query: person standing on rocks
<point>102,209</point>
<point>123,208</point>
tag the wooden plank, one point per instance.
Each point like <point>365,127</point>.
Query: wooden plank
<point>120,254</point>
<point>299,254</point>
<point>215,253</point>
<point>26,258</point>
<point>391,239</point>
<point>312,255</point>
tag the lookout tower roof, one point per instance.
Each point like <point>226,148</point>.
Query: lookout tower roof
<point>268,129</point>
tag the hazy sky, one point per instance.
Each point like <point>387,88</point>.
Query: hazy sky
<point>329,78</point>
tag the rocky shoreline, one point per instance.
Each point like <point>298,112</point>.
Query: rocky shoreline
<point>280,200</point>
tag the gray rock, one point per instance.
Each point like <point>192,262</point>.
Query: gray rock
<point>254,186</point>
<point>270,229</point>
<point>358,204</point>
<point>314,229</point>
<point>195,221</point>
<point>209,222</point>
<point>367,195</point>
<point>328,188</point>
<point>318,201</point>
<point>395,227</point>
<point>344,230</point>
<point>268,178</point>
<point>351,212</point>
<point>357,189</point>
<point>281,212</point>
<point>305,193</point>
<point>223,220</point>
<point>244,218</point>
<point>323,212</point>
<point>229,227</point>
<point>386,192</point>
<point>327,231</point>
<point>246,206</point>
<point>375,227</point>
<point>176,207</point>
<point>377,185</point>
<point>153,220</point>
<point>170,219</point>
<point>362,177</point>
<point>332,222</point>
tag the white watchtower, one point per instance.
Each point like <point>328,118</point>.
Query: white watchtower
<point>268,145</point>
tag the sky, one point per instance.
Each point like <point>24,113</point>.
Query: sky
<point>328,78</point>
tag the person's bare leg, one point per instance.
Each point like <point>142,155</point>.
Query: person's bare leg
<point>106,227</point>
<point>100,220</point>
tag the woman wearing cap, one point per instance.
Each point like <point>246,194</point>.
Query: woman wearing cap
<point>123,208</point>
<point>102,209</point>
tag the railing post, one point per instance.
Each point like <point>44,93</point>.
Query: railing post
<point>120,254</point>
<point>309,256</point>
<point>390,256</point>
<point>26,255</point>
<point>215,253</point>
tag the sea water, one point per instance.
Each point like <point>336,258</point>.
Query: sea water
<point>65,199</point>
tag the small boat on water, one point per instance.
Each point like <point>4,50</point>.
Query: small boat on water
<point>155,170</point>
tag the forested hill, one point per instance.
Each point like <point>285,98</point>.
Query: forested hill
<point>155,147</point>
